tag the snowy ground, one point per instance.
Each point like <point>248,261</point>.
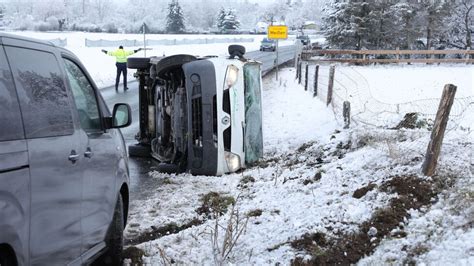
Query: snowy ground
<point>311,170</point>
<point>306,184</point>
<point>102,67</point>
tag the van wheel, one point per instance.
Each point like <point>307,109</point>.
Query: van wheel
<point>138,62</point>
<point>137,150</point>
<point>168,168</point>
<point>114,238</point>
<point>7,258</point>
<point>170,62</point>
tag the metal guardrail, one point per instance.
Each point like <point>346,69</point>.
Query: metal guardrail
<point>268,59</point>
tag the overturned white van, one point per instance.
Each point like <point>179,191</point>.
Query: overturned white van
<point>202,115</point>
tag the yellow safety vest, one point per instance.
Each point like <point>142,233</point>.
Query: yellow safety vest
<point>121,55</point>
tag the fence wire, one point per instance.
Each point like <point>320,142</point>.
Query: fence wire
<point>408,124</point>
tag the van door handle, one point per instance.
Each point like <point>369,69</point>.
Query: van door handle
<point>73,157</point>
<point>88,153</point>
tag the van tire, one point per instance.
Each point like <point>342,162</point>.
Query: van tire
<point>114,239</point>
<point>138,62</point>
<point>7,258</point>
<point>138,150</point>
<point>236,50</point>
<point>170,62</point>
<point>168,168</point>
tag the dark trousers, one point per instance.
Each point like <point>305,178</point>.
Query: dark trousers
<point>121,68</point>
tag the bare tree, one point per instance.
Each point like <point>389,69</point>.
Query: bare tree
<point>101,7</point>
<point>467,7</point>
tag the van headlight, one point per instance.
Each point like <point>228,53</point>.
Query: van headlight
<point>232,160</point>
<point>231,76</point>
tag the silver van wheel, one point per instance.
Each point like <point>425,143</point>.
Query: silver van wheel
<point>114,239</point>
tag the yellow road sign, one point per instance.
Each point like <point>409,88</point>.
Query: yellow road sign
<point>277,32</point>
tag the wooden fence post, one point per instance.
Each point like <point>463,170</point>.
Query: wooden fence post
<point>332,71</point>
<point>306,77</point>
<point>316,79</point>
<point>346,112</point>
<point>297,63</point>
<point>468,56</point>
<point>299,71</point>
<point>439,127</point>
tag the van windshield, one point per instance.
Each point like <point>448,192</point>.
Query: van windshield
<point>253,137</point>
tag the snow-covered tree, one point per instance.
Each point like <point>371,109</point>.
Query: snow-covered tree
<point>248,15</point>
<point>220,18</point>
<point>461,24</point>
<point>227,20</point>
<point>405,28</point>
<point>372,24</point>
<point>349,24</point>
<point>199,15</point>
<point>175,18</point>
<point>277,12</point>
<point>432,15</point>
<point>102,9</point>
<point>2,14</point>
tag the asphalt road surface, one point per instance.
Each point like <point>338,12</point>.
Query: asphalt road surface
<point>141,185</point>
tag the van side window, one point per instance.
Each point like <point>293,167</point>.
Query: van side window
<point>84,96</point>
<point>10,116</point>
<point>42,93</point>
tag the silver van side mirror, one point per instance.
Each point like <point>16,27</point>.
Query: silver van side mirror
<point>121,116</point>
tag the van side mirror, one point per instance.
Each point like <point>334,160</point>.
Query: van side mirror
<point>121,116</point>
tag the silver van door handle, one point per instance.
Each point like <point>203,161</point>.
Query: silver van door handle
<point>73,157</point>
<point>88,153</point>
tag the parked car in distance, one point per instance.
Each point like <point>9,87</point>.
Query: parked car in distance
<point>304,39</point>
<point>63,163</point>
<point>268,45</point>
<point>200,115</point>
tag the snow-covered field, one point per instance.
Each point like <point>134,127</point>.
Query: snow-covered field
<point>102,67</point>
<point>306,185</point>
<point>318,184</point>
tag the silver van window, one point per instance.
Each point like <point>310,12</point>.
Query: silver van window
<point>42,93</point>
<point>9,108</point>
<point>84,96</point>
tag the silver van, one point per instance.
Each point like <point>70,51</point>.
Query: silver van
<point>63,161</point>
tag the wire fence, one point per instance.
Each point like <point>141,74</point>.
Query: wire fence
<point>137,43</point>
<point>412,118</point>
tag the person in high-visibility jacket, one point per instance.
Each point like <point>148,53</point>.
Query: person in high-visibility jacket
<point>121,64</point>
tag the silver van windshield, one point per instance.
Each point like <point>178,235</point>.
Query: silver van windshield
<point>253,137</point>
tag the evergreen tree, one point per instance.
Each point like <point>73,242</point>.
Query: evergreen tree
<point>349,24</point>
<point>175,18</point>
<point>406,30</point>
<point>2,14</point>
<point>335,24</point>
<point>227,20</point>
<point>372,24</point>
<point>433,14</point>
<point>220,19</point>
